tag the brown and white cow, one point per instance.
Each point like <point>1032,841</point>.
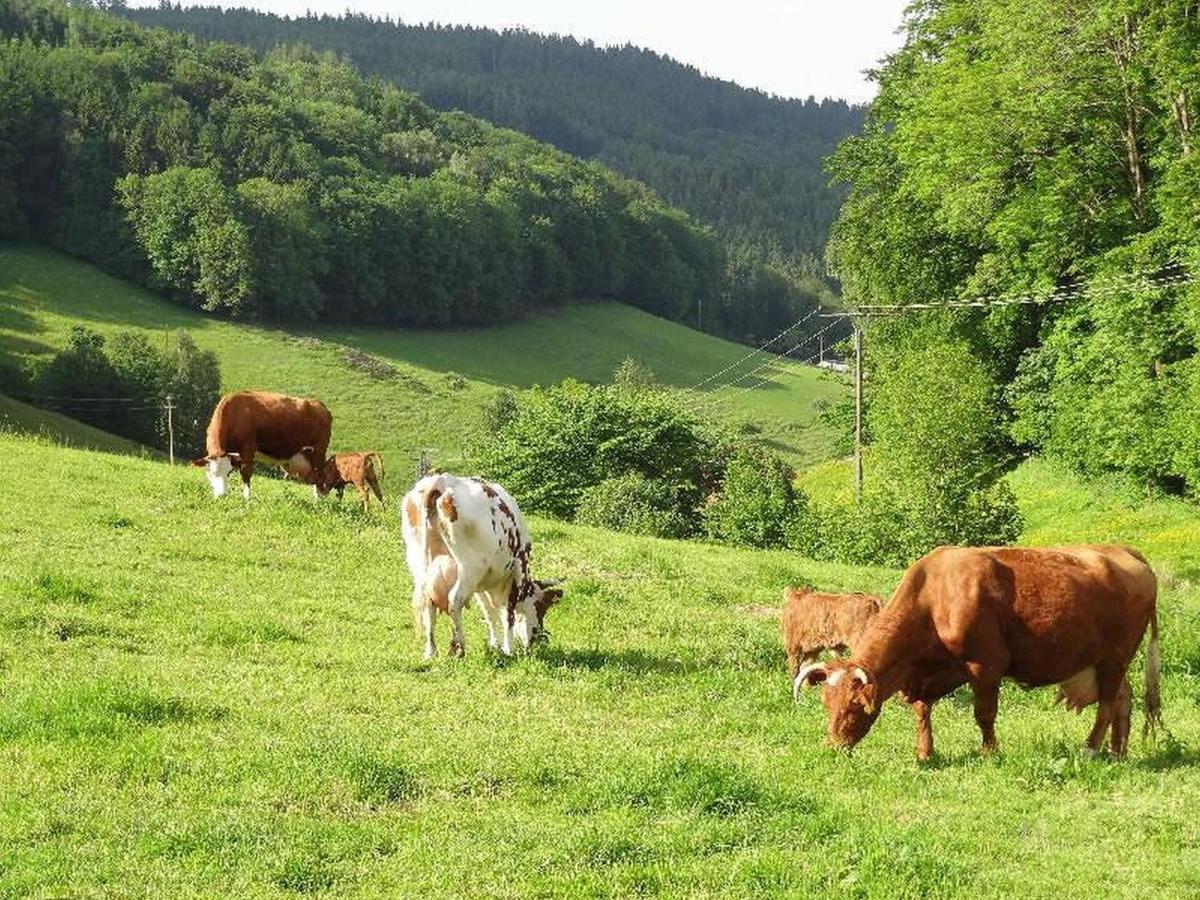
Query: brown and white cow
<point>358,469</point>
<point>292,431</point>
<point>466,537</point>
<point>1071,616</point>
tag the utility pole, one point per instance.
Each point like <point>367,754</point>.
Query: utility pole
<point>858,396</point>
<point>171,426</point>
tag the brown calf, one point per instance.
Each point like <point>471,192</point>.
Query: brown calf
<point>1071,616</point>
<point>357,469</point>
<point>813,623</point>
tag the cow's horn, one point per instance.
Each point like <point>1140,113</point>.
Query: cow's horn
<point>802,677</point>
<point>859,674</point>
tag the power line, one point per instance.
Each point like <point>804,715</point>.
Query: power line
<point>785,355</point>
<point>1074,291</point>
<point>802,362</point>
<point>758,349</point>
<point>79,399</point>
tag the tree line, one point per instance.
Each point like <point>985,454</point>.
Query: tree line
<point>1023,147</point>
<point>745,161</point>
<point>288,187</point>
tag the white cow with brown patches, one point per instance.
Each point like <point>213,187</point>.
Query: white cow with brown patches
<point>466,537</point>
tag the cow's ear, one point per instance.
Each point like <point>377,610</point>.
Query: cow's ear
<point>200,462</point>
<point>813,673</point>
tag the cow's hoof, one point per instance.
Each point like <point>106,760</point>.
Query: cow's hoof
<point>457,651</point>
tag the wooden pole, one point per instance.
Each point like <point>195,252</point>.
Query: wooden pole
<point>171,427</point>
<point>858,396</point>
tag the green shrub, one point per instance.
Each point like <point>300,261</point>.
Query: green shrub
<point>634,504</point>
<point>757,504</point>
<point>121,386</point>
<point>557,442</point>
<point>938,454</point>
<point>634,375</point>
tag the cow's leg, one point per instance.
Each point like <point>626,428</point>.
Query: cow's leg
<point>455,601</point>
<point>247,469</point>
<point>924,711</point>
<point>428,623</point>
<point>491,617</point>
<point>1123,719</point>
<point>457,643</point>
<point>1108,687</point>
<point>362,490</point>
<point>985,684</point>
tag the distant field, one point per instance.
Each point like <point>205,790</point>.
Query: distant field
<point>442,378</point>
<point>225,699</point>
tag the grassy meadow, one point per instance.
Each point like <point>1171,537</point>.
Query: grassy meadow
<point>440,379</point>
<point>203,698</point>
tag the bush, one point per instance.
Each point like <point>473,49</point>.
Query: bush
<point>757,505</point>
<point>551,444</point>
<point>634,375</point>
<point>633,504</point>
<point>121,386</point>
<point>938,454</point>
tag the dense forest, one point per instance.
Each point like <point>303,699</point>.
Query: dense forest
<point>289,187</point>
<point>747,162</point>
<point>1023,146</point>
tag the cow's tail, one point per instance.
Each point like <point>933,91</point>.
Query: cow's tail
<point>1153,680</point>
<point>375,460</point>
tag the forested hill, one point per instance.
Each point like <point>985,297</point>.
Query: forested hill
<point>749,163</point>
<point>289,187</point>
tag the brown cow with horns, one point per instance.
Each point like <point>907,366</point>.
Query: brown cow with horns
<point>1071,616</point>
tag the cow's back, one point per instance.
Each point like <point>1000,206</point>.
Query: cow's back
<point>1057,609</point>
<point>275,425</point>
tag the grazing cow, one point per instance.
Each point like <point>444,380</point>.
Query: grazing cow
<point>813,623</point>
<point>357,469</point>
<point>289,430</point>
<point>466,537</point>
<point>1071,616</point>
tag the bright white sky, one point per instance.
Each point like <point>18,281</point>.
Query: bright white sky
<point>789,47</point>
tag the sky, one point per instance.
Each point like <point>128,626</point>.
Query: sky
<point>794,48</point>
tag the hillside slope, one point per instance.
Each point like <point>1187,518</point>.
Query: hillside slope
<point>232,704</point>
<point>745,161</point>
<point>22,418</point>
<point>434,382</point>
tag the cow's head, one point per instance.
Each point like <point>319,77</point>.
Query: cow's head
<point>530,624</point>
<point>850,695</point>
<point>217,468</point>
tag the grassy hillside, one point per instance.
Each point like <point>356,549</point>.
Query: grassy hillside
<point>22,418</point>
<point>439,380</point>
<point>233,704</point>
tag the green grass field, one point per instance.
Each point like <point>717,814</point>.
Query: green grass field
<point>204,698</point>
<point>442,378</point>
